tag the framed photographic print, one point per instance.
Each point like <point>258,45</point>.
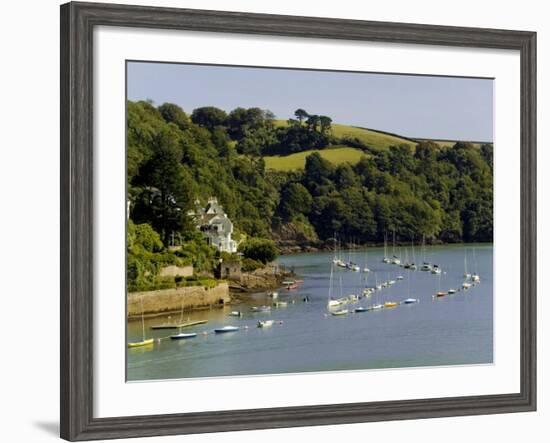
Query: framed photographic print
<point>273,221</point>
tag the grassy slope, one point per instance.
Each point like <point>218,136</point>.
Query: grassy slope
<point>374,139</point>
<point>335,155</point>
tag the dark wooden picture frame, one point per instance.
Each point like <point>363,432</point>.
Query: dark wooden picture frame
<point>77,217</point>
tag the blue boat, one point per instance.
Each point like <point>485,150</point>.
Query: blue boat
<point>226,329</point>
<point>183,335</point>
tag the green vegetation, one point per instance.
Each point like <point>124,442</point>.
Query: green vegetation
<point>335,154</point>
<point>259,250</point>
<point>297,181</point>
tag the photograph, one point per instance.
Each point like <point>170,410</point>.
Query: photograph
<point>283,220</point>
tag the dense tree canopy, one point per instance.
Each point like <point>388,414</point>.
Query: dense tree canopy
<point>442,193</point>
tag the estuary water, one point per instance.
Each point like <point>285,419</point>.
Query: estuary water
<point>453,330</point>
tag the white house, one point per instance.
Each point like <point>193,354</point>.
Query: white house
<point>215,225</point>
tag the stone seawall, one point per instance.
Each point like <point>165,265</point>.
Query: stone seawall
<point>170,300</point>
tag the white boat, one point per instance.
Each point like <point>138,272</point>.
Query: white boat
<point>391,282</point>
<point>475,278</point>
<point>273,295</point>
<point>332,303</point>
<point>376,307</point>
<point>399,277</point>
<point>266,323</point>
<point>226,329</point>
<point>280,304</point>
<point>260,308</point>
<point>385,259</point>
<point>466,273</point>
<point>451,291</point>
<point>353,267</point>
<point>183,335</point>
<point>235,314</point>
<point>340,312</point>
<point>466,285</point>
<point>409,301</point>
<point>361,309</point>
<point>426,267</point>
<point>436,269</point>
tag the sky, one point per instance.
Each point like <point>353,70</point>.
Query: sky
<point>414,106</point>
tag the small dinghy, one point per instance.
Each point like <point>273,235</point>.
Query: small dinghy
<point>183,335</point>
<point>340,312</point>
<point>361,309</point>
<point>260,308</point>
<point>390,304</point>
<point>409,301</point>
<point>226,329</point>
<point>266,323</point>
<point>137,344</point>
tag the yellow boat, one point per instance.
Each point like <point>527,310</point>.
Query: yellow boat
<point>137,344</point>
<point>390,304</point>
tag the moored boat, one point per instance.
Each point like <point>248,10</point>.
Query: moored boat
<point>266,323</point>
<point>409,301</point>
<point>361,309</point>
<point>183,335</point>
<point>137,344</point>
<point>225,329</point>
<point>340,312</point>
<point>390,304</point>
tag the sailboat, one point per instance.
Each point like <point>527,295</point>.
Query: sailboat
<point>337,260</point>
<point>439,292</point>
<point>331,302</point>
<point>412,266</point>
<point>182,335</point>
<point>475,276</point>
<point>409,300</point>
<point>144,341</point>
<point>395,260</point>
<point>466,273</point>
<point>425,265</point>
<point>366,268</point>
<point>385,259</point>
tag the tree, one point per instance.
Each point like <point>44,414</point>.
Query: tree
<point>325,123</point>
<point>301,115</point>
<point>209,117</point>
<point>172,113</point>
<point>261,250</point>
<point>166,199</point>
<point>295,199</point>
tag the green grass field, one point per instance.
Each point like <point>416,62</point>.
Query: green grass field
<point>335,155</point>
<point>373,139</point>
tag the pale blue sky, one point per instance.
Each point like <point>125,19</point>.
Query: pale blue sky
<point>409,105</point>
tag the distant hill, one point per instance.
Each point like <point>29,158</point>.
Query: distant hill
<point>370,137</point>
<point>376,140</point>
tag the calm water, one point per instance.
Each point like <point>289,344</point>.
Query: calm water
<point>456,329</point>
